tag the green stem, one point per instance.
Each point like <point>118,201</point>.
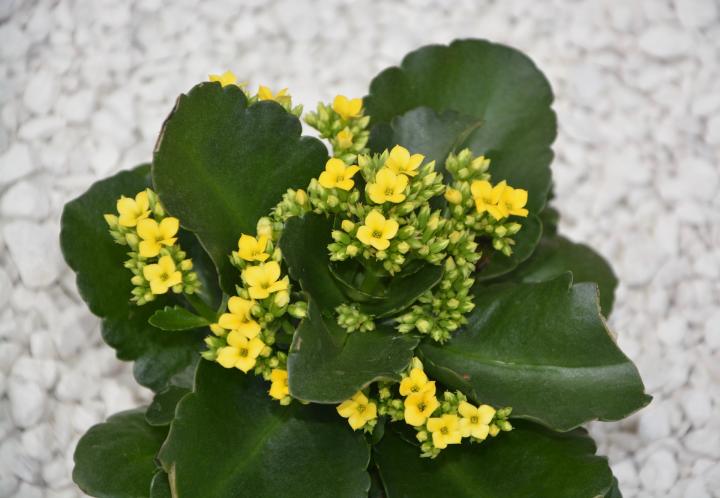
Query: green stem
<point>201,307</point>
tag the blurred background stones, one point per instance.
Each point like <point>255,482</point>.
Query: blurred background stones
<point>85,86</point>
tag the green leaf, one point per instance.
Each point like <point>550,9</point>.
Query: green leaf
<point>614,491</point>
<point>177,318</point>
<point>424,131</point>
<point>557,255</point>
<point>160,486</point>
<point>493,83</point>
<point>543,349</point>
<point>219,165</point>
<point>104,284</point>
<point>328,365</point>
<point>116,459</point>
<point>525,242</point>
<point>529,461</point>
<point>229,438</point>
<point>304,245</point>
<point>162,409</point>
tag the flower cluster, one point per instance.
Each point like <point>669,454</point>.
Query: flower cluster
<point>245,335</point>
<point>264,93</point>
<point>157,262</point>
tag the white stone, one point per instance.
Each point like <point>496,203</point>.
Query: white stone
<point>41,372</point>
<point>116,397</point>
<point>34,249</point>
<point>5,287</point>
<point>15,163</point>
<point>42,345</point>
<point>696,488</point>
<point>654,422</point>
<point>55,474</point>
<point>28,403</point>
<point>698,407</point>
<point>39,442</point>
<point>9,352</point>
<point>25,200</point>
<point>29,491</point>
<point>40,92</point>
<point>626,472</point>
<point>75,385</point>
<point>77,107</point>
<point>712,132</point>
<point>672,330</point>
<point>104,157</point>
<point>696,13</point>
<point>659,471</point>
<point>704,442</point>
<point>665,41</point>
<point>8,483</point>
<point>40,128</point>
<point>712,331</point>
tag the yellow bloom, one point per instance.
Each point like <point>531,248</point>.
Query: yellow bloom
<point>225,79</point>
<point>475,421</point>
<point>377,231</point>
<point>133,210</point>
<point>513,200</point>
<point>338,175</point>
<point>240,352</point>
<point>345,138</point>
<point>387,187</point>
<point>401,162</point>
<point>263,279</point>
<point>216,329</point>
<point>494,430</point>
<point>239,317</point>
<point>487,197</point>
<point>416,382</point>
<point>279,387</point>
<point>347,108</point>
<point>154,235</point>
<point>358,410</point>
<point>163,275</point>
<point>453,196</point>
<point>419,406</point>
<point>445,430</point>
<point>264,93</point>
<point>252,249</point>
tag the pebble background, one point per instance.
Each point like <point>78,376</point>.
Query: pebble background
<point>85,85</point>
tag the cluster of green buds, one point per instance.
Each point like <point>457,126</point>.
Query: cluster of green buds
<point>352,319</point>
<point>157,262</point>
<point>293,203</point>
<point>344,124</point>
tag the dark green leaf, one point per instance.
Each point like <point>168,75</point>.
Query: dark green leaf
<point>177,318</point>
<point>614,490</point>
<point>550,217</point>
<point>493,83</point>
<point>557,255</point>
<point>104,284</point>
<point>435,135</point>
<point>229,438</point>
<point>327,365</point>
<point>525,242</point>
<point>204,267</point>
<point>543,349</point>
<point>304,244</point>
<point>529,461</point>
<point>116,459</point>
<point>162,409</point>
<point>220,165</point>
<point>160,486</point>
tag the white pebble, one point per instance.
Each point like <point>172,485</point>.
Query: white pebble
<point>672,330</point>
<point>704,442</point>
<point>5,287</point>
<point>665,41</point>
<point>654,422</point>
<point>25,200</point>
<point>35,251</point>
<point>39,442</point>
<point>696,13</point>
<point>28,402</point>
<point>40,92</point>
<point>659,471</point>
<point>15,163</point>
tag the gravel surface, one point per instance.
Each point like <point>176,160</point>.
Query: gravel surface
<point>84,87</point>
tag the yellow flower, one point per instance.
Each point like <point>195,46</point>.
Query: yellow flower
<point>154,235</point>
<point>387,187</point>
<point>240,352</point>
<point>263,279</point>
<point>358,410</point>
<point>279,387</point>
<point>347,108</point>
<point>345,138</point>
<point>475,421</point>
<point>445,430</point>
<point>133,210</point>
<point>163,275</point>
<point>252,249</point>
<point>225,79</point>
<point>487,197</point>
<point>401,162</point>
<point>338,175</point>
<point>513,200</point>
<point>264,93</point>
<point>453,196</point>
<point>239,317</point>
<point>419,406</point>
<point>216,329</point>
<point>416,382</point>
<point>377,231</point>
<point>494,430</point>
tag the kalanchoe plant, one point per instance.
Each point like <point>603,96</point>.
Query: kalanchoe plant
<point>396,317</point>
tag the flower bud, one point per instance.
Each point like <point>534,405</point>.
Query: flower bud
<point>453,196</point>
